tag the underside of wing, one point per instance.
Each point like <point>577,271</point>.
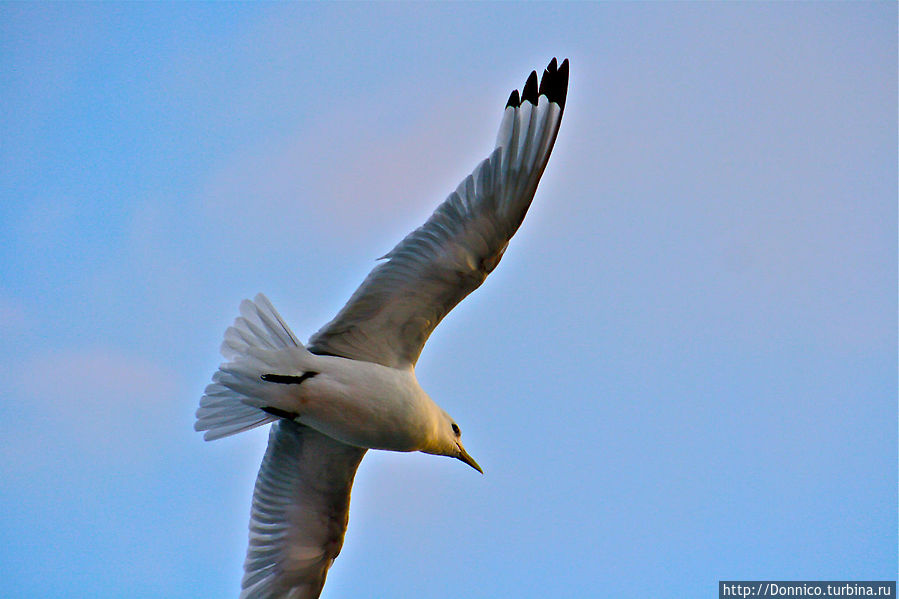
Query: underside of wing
<point>300,511</point>
<point>392,314</point>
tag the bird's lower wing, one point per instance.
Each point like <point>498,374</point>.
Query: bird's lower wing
<point>300,510</point>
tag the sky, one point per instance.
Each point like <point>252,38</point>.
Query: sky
<point>684,370</point>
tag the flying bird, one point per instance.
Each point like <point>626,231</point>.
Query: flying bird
<point>352,387</point>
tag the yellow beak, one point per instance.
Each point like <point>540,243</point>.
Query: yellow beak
<point>463,456</point>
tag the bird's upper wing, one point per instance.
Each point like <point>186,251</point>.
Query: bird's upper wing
<point>390,316</point>
<point>300,509</point>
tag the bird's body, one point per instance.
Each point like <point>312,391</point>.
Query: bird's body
<point>353,387</point>
<point>359,403</point>
<point>369,405</point>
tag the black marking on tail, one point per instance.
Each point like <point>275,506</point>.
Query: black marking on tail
<point>280,413</point>
<point>286,379</point>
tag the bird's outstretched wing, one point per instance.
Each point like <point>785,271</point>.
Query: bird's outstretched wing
<point>391,315</point>
<point>300,508</point>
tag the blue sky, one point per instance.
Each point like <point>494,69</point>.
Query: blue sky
<point>684,369</point>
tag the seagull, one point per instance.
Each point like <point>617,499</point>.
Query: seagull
<point>352,387</point>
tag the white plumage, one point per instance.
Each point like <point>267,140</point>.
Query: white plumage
<point>353,388</point>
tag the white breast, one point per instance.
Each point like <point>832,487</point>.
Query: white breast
<point>367,405</point>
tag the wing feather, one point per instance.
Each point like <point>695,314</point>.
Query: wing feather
<point>391,315</point>
<point>300,511</point>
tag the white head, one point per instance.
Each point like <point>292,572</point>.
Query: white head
<point>446,439</point>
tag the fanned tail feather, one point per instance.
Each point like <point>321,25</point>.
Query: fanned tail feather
<point>258,342</point>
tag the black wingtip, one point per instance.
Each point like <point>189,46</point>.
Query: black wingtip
<point>514,101</point>
<point>563,83</point>
<point>544,82</point>
<point>554,83</point>
<point>549,74</point>
<point>529,93</point>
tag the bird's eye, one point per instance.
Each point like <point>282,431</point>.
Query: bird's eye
<point>456,430</point>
